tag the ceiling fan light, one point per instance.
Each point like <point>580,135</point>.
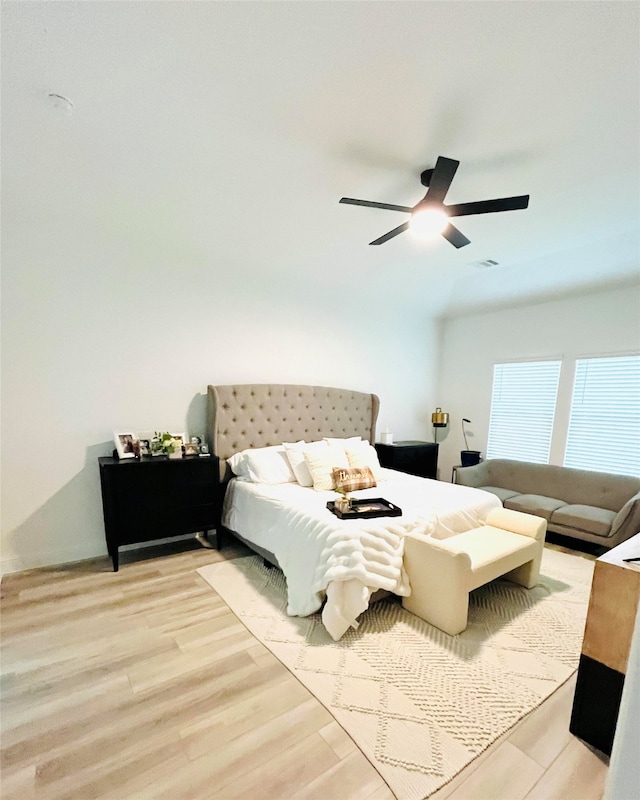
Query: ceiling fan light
<point>427,222</point>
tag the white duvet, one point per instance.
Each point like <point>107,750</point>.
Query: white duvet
<point>344,561</point>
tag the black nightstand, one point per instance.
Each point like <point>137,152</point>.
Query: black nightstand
<point>416,458</point>
<point>156,498</point>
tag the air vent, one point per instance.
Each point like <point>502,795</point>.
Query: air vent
<point>489,262</point>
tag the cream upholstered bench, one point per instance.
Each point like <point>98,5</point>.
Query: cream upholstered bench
<point>442,572</point>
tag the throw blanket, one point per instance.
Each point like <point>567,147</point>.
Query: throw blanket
<point>356,561</point>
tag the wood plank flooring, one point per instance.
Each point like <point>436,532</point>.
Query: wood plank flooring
<point>142,684</point>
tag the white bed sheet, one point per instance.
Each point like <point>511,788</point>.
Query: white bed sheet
<point>344,561</point>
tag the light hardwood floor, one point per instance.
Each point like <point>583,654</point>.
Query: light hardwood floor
<point>142,684</point>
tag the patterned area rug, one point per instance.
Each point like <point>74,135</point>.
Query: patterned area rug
<point>419,703</point>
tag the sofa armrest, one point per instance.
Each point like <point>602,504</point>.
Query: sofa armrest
<point>518,522</point>
<point>434,561</point>
<point>473,476</point>
<point>439,583</point>
<point>627,520</point>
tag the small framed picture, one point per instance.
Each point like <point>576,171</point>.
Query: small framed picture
<point>126,444</point>
<point>191,449</point>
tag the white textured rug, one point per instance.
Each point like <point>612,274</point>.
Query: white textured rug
<point>419,703</point>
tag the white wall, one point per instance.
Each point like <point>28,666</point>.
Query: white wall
<point>87,351</point>
<point>155,239</point>
<point>595,324</point>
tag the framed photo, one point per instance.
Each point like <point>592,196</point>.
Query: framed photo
<point>126,444</point>
<point>191,449</point>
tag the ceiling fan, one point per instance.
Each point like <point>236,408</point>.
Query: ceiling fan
<point>438,180</point>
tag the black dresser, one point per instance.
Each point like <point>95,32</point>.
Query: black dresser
<point>156,498</point>
<point>416,458</point>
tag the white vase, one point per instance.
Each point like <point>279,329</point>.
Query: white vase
<point>177,453</point>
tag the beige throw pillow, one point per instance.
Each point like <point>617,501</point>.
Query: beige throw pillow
<point>321,463</point>
<point>354,478</point>
<point>295,455</point>
<point>365,455</point>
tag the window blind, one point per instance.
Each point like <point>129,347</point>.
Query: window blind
<point>604,427</point>
<point>523,403</point>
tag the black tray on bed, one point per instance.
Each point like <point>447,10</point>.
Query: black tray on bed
<point>366,509</point>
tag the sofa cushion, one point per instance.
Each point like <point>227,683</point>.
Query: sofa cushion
<point>585,518</point>
<point>503,494</point>
<point>535,504</point>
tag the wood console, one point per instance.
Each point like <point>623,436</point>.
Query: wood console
<point>613,604</point>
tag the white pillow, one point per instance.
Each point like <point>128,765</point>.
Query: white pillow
<point>351,440</point>
<point>295,455</point>
<point>262,465</point>
<point>365,455</point>
<point>321,463</point>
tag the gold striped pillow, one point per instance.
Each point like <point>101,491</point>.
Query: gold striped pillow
<point>353,478</point>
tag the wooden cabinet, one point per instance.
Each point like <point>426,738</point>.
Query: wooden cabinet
<point>416,458</point>
<point>613,604</point>
<point>156,498</point>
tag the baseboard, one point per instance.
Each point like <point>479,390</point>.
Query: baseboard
<point>15,564</point>
<point>48,559</point>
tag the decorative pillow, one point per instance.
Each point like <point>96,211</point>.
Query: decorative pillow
<point>365,455</point>
<point>262,465</point>
<point>321,463</point>
<point>354,478</point>
<point>348,442</point>
<point>295,456</point>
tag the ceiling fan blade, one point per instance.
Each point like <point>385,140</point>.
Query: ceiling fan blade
<point>440,181</point>
<point>385,238</point>
<point>453,235</point>
<point>488,206</point>
<point>370,204</point>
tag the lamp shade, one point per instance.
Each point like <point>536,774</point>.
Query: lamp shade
<point>439,418</point>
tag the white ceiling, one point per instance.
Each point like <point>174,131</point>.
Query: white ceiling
<point>225,133</point>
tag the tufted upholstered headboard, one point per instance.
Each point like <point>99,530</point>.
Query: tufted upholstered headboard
<point>240,416</point>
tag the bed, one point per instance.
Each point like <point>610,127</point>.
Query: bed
<point>329,563</point>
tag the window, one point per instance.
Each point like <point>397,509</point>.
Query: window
<point>604,428</point>
<point>523,405</point>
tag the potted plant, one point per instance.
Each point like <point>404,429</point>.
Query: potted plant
<point>166,444</point>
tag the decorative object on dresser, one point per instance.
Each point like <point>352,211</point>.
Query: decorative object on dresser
<point>413,457</point>
<point>613,605</point>
<point>125,444</point>
<point>167,444</point>
<point>157,498</point>
<point>148,443</point>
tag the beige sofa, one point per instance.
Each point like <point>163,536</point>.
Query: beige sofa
<point>593,506</point>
